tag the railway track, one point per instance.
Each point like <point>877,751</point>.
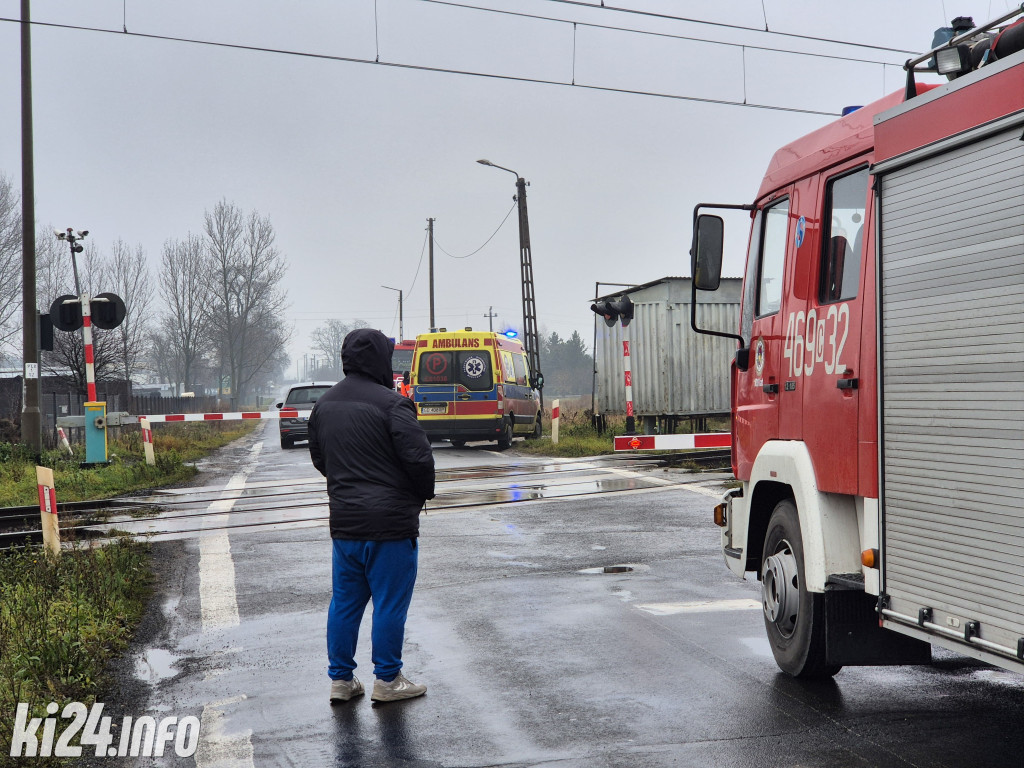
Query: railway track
<point>461,487</point>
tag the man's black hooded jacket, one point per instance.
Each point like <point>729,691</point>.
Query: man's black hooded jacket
<point>364,438</point>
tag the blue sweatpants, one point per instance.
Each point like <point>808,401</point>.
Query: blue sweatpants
<point>384,571</point>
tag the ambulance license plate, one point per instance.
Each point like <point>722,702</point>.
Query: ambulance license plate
<point>432,409</point>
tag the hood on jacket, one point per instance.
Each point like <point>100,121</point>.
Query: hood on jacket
<point>368,351</point>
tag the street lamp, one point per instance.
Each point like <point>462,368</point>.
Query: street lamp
<point>526,270</point>
<point>401,326</point>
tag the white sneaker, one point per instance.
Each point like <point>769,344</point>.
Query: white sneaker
<point>396,690</point>
<point>343,690</point>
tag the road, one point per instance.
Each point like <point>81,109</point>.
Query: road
<point>533,655</point>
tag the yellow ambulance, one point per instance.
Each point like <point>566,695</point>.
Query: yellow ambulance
<point>474,385</point>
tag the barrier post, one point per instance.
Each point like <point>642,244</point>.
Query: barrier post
<point>63,438</point>
<point>554,422</point>
<point>48,510</point>
<point>147,440</point>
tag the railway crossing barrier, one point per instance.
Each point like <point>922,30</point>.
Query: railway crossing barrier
<point>673,442</point>
<point>116,419</point>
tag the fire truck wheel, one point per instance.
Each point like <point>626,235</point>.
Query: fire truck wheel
<point>505,441</point>
<point>793,617</point>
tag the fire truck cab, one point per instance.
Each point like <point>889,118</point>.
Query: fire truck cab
<point>872,387</point>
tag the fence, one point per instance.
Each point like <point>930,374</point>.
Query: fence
<point>56,403</point>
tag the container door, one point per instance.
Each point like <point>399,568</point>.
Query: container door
<point>757,389</point>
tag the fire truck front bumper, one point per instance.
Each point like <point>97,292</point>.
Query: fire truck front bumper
<point>731,516</point>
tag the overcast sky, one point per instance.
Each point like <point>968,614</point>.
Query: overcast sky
<point>136,137</point>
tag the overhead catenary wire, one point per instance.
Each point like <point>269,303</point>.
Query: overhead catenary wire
<point>691,38</point>
<point>473,253</point>
<point>424,68</point>
<point>723,25</point>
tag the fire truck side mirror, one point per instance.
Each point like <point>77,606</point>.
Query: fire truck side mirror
<point>706,252</point>
<point>743,358</point>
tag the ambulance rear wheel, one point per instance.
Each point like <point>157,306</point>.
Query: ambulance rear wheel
<point>505,441</point>
<point>538,429</point>
<point>793,616</point>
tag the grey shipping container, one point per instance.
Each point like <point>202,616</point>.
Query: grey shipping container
<point>675,371</point>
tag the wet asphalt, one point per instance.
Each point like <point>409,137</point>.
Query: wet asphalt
<point>533,656</point>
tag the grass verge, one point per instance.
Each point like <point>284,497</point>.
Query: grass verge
<point>61,621</point>
<point>576,436</point>
<point>175,445</point>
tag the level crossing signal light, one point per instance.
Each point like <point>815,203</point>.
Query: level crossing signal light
<point>614,311</point>
<point>106,309</point>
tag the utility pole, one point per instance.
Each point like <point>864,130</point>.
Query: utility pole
<point>31,416</point>
<point>490,315</point>
<point>530,336</point>
<point>430,264</point>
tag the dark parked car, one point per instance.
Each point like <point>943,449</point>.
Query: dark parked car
<point>300,397</point>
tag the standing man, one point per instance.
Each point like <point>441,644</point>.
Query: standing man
<point>364,438</point>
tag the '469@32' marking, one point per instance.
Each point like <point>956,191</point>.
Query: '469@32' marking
<point>814,343</point>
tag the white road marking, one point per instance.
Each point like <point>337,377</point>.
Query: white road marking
<point>217,599</point>
<point>219,610</point>
<point>218,749</point>
<point>700,606</point>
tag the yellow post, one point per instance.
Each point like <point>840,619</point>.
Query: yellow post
<point>48,510</point>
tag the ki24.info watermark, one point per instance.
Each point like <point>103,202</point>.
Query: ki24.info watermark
<point>139,737</point>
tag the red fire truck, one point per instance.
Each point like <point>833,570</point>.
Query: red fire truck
<point>878,387</point>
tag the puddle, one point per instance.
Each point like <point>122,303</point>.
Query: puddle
<point>156,665</point>
<point>620,569</point>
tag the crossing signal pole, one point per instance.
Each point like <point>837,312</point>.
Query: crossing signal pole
<point>621,310</point>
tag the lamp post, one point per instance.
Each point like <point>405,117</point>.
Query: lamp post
<point>401,326</point>
<point>526,271</point>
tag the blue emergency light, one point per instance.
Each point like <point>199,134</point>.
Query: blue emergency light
<point>510,334</point>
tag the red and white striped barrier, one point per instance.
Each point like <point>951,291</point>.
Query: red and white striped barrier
<point>673,442</point>
<point>554,422</point>
<point>284,413</point>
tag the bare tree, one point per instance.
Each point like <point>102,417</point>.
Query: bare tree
<point>328,339</point>
<point>185,288</point>
<point>247,301</point>
<point>10,267</point>
<point>127,275</point>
